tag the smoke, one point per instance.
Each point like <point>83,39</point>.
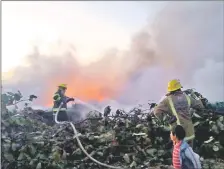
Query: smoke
<point>101,80</point>
<point>189,38</point>
<point>185,42</point>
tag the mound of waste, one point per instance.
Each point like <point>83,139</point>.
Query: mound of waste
<point>135,139</point>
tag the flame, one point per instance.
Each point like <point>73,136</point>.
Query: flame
<point>86,89</point>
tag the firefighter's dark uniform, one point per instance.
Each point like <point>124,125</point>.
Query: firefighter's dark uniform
<point>58,99</point>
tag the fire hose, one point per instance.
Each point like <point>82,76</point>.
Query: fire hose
<point>79,142</point>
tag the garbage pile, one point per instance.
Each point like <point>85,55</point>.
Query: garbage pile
<point>132,139</point>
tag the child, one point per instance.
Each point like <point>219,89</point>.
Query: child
<point>183,155</point>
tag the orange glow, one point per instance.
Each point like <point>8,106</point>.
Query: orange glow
<point>84,88</point>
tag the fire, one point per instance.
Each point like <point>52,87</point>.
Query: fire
<point>85,89</point>
<point>97,81</point>
<point>90,91</point>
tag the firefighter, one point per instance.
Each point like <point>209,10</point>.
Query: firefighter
<point>59,97</point>
<point>177,105</point>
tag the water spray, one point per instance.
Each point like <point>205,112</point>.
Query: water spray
<point>88,105</point>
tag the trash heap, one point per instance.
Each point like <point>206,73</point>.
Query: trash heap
<point>132,139</point>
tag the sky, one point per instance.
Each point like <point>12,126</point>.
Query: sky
<point>92,27</point>
<point>125,52</point>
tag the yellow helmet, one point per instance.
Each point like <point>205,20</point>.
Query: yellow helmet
<point>174,85</point>
<point>63,86</point>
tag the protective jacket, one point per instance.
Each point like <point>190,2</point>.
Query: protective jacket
<point>178,105</point>
<point>58,99</point>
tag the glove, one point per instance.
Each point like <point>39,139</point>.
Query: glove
<point>70,99</point>
<point>152,105</point>
<point>172,120</point>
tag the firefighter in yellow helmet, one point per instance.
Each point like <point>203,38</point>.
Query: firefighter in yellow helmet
<point>59,97</point>
<point>177,105</point>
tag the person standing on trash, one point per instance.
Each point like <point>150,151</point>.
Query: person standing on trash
<point>59,97</point>
<point>177,105</point>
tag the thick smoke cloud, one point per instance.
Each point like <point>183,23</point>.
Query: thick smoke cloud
<point>189,38</point>
<point>185,42</point>
<point>101,80</point>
